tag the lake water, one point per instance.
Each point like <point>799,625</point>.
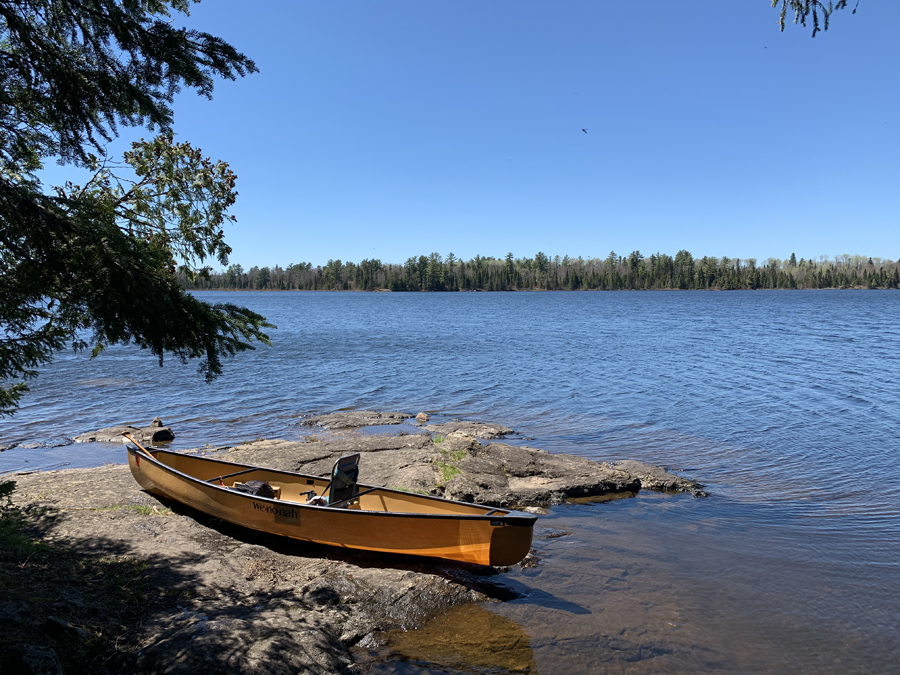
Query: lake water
<point>785,404</point>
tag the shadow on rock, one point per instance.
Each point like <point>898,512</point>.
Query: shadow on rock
<point>487,581</point>
<point>97,576</point>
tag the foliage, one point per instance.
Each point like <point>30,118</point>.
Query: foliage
<point>454,456</point>
<point>802,10</point>
<point>448,472</point>
<point>95,265</point>
<point>6,490</point>
<point>448,468</point>
<point>615,272</point>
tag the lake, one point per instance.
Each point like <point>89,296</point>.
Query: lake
<point>785,404</point>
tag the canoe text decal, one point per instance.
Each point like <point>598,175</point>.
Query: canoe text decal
<point>276,510</point>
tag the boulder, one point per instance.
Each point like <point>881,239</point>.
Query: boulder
<point>155,433</point>
<point>422,417</point>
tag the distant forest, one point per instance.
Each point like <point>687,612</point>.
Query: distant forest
<point>615,272</point>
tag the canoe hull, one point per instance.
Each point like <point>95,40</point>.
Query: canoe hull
<point>452,530</point>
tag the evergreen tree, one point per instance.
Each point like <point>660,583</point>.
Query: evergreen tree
<point>94,265</point>
<point>802,9</point>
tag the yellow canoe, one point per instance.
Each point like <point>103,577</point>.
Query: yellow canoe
<point>374,519</point>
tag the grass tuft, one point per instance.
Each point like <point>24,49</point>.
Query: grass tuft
<point>448,472</point>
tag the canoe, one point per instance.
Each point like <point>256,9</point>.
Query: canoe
<point>372,519</point>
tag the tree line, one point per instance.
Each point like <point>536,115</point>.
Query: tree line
<point>634,271</point>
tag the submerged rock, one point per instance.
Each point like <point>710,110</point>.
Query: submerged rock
<point>657,478</point>
<point>355,419</point>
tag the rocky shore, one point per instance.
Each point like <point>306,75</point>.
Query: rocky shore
<point>98,576</point>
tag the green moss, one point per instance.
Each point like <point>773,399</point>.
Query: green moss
<point>454,456</point>
<point>448,468</point>
<point>448,472</point>
<point>437,440</point>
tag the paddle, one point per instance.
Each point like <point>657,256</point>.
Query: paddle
<point>128,436</point>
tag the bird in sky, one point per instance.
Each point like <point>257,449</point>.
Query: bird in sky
<point>584,130</point>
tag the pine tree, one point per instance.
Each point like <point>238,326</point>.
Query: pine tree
<point>95,265</point>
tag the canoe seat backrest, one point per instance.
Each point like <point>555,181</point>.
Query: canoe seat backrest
<point>343,478</point>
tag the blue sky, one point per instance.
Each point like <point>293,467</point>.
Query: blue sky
<point>397,128</point>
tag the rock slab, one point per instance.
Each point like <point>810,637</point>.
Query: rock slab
<point>460,467</point>
<point>355,419</point>
<point>125,584</point>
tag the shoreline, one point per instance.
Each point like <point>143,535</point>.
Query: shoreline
<point>539,290</point>
<point>112,579</point>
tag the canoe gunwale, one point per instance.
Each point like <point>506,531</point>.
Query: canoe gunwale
<point>508,517</point>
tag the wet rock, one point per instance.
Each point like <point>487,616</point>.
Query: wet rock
<point>41,445</point>
<point>422,417</point>
<point>657,478</point>
<point>506,475</point>
<point>552,533</point>
<point>468,639</point>
<point>155,433</point>
<point>355,419</point>
<point>530,560</point>
<point>476,429</point>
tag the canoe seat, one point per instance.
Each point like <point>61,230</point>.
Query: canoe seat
<point>344,475</point>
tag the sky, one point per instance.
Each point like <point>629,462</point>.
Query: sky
<point>393,129</point>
